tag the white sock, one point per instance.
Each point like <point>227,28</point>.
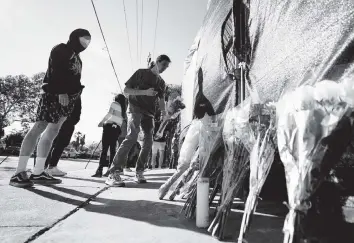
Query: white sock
<point>39,167</point>
<point>22,164</point>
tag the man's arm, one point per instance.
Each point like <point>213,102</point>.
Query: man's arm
<point>147,92</point>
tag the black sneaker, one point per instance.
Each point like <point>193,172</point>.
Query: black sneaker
<point>44,178</point>
<point>21,180</point>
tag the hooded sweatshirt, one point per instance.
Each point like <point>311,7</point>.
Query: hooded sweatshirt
<point>63,75</point>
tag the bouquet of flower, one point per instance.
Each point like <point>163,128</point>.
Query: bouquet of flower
<point>236,135</point>
<point>313,131</point>
<point>261,158</point>
<point>173,110</point>
<point>187,177</point>
<point>209,143</point>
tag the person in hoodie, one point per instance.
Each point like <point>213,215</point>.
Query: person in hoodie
<point>60,91</point>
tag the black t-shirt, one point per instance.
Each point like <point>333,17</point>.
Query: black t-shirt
<point>64,71</point>
<point>145,79</point>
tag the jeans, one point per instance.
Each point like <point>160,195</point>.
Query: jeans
<point>135,120</point>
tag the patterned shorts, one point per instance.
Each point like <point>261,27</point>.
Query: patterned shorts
<point>50,110</point>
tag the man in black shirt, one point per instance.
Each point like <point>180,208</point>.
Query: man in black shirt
<point>144,88</point>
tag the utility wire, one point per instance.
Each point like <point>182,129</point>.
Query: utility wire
<point>104,39</point>
<point>126,27</point>
<point>141,32</point>
<point>157,15</point>
<point>137,32</point>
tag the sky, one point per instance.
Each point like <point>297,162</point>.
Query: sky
<point>30,29</point>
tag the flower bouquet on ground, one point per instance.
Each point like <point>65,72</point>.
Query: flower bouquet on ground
<point>209,143</point>
<point>262,120</point>
<point>313,130</point>
<point>184,183</point>
<point>236,164</point>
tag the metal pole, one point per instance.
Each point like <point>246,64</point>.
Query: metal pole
<point>92,154</point>
<point>4,159</point>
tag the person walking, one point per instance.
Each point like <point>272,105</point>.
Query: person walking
<point>144,88</point>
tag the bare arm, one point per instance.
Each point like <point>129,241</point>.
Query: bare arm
<point>147,92</point>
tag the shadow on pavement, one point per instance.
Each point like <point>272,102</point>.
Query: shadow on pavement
<point>265,229</point>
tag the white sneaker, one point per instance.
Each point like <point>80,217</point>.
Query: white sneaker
<point>114,179</point>
<point>54,171</point>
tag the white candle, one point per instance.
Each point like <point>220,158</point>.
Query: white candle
<point>202,214</point>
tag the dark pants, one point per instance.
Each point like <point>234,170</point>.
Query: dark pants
<point>109,141</point>
<point>135,120</point>
<point>64,136</point>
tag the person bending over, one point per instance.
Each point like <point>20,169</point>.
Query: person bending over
<point>143,88</point>
<point>61,89</point>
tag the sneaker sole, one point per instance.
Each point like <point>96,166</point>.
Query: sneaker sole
<point>58,175</point>
<point>14,184</point>
<point>47,182</point>
<point>119,185</point>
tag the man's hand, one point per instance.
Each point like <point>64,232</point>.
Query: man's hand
<point>64,99</point>
<point>150,92</point>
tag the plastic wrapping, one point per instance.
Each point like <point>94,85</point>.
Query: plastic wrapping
<point>298,42</point>
<point>313,132</point>
<point>292,44</point>
<point>209,140</point>
<point>261,157</point>
<point>236,164</point>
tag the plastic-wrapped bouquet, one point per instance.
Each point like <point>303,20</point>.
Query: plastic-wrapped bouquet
<point>262,120</point>
<point>313,131</point>
<point>237,137</point>
<point>209,142</point>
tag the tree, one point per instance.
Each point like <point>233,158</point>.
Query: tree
<point>19,96</point>
<point>79,141</point>
<point>82,141</point>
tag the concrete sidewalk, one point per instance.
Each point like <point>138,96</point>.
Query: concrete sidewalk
<point>83,209</point>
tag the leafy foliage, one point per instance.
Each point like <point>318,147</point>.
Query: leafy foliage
<point>19,97</point>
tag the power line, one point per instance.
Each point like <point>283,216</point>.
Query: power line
<point>126,27</point>
<point>141,32</point>
<point>157,15</point>
<point>137,32</point>
<point>104,39</point>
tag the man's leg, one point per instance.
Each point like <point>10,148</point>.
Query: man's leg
<point>147,125</point>
<point>44,145</point>
<point>20,179</point>
<point>61,141</point>
<point>105,145</point>
<point>116,131</point>
<point>120,159</point>
<point>155,149</point>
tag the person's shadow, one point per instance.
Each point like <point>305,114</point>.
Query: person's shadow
<point>158,213</point>
<point>202,105</point>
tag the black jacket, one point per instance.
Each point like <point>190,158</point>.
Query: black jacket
<point>64,71</point>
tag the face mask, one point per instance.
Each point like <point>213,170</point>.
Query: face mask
<point>84,41</point>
